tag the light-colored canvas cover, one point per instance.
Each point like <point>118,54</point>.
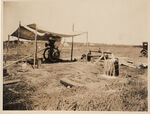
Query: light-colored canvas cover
<point>27,32</point>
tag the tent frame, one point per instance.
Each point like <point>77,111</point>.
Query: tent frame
<point>35,46</point>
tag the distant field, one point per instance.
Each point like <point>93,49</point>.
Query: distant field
<point>27,48</point>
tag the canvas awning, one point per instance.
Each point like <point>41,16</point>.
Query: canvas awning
<point>28,32</point>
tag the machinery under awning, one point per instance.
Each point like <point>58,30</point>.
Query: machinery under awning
<point>33,32</point>
<point>27,32</point>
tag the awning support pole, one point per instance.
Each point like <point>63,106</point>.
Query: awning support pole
<point>8,43</point>
<point>5,59</point>
<point>35,47</point>
<point>72,43</point>
<point>18,38</point>
<point>87,41</point>
<point>87,46</point>
<point>19,29</point>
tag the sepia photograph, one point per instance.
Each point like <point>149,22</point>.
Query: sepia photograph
<point>75,55</point>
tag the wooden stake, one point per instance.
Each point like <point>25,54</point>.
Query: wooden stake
<point>35,47</point>
<point>72,43</point>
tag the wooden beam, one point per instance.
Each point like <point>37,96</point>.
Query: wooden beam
<point>72,43</point>
<point>67,82</point>
<point>35,47</point>
<point>11,81</point>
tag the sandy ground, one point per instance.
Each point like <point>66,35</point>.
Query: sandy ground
<point>40,89</point>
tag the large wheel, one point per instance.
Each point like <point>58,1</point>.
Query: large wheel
<point>46,54</point>
<point>51,55</point>
<point>144,52</point>
<point>55,54</point>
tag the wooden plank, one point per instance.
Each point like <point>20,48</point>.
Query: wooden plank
<point>100,58</point>
<point>11,82</point>
<point>128,65</point>
<point>66,82</point>
<point>12,90</point>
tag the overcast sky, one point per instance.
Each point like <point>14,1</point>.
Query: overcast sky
<point>107,21</point>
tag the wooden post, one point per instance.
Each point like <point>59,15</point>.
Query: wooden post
<point>72,43</point>
<point>87,41</point>
<point>8,43</point>
<point>35,47</point>
<point>19,30</point>
<point>116,64</point>
<point>18,37</point>
<point>87,46</point>
<point>5,57</point>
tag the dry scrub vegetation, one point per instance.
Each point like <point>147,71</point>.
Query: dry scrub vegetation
<point>40,89</point>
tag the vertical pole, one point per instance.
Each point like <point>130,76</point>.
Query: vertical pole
<point>19,30</point>
<point>35,47</point>
<point>5,59</point>
<point>8,43</point>
<point>87,42</point>
<point>72,43</point>
<point>18,37</point>
<point>87,48</point>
